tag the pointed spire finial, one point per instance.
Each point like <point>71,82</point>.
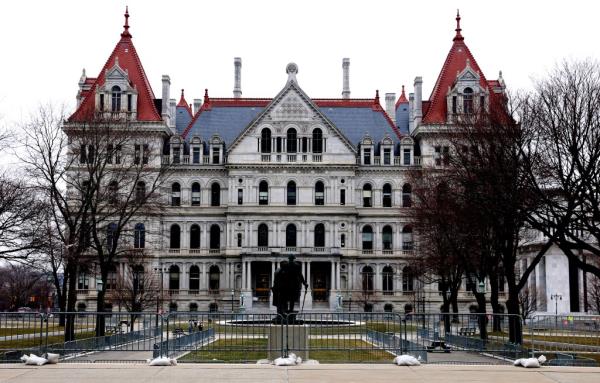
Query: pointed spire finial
<point>458,29</point>
<point>206,99</point>
<point>376,100</point>
<point>126,26</point>
<point>403,91</point>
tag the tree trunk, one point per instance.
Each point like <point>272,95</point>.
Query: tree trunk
<point>446,311</point>
<point>454,302</point>
<point>481,315</point>
<point>71,300</point>
<point>515,328</point>
<point>100,317</point>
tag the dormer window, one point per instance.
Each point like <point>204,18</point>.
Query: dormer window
<point>115,105</point>
<point>468,100</point>
<point>367,156</point>
<point>387,156</point>
<point>216,155</point>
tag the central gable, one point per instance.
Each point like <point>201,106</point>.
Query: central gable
<point>291,108</point>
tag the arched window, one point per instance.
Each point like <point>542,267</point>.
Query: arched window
<point>468,100</point>
<point>139,236</point>
<point>367,278</point>
<point>407,238</point>
<point>263,193</point>
<point>265,140</point>
<point>367,195</point>
<point>194,278</point>
<point>317,141</point>
<point>263,235</point>
<point>387,275</point>
<point>319,235</point>
<point>194,237</point>
<point>291,193</point>
<point>290,235</point>
<point>214,275</point>
<point>174,277</point>
<point>113,192</point>
<point>193,307</point>
<point>387,195</point>
<point>387,238</point>
<point>367,238</point>
<point>407,195</point>
<point>292,141</point>
<point>175,237</point>
<point>319,193</point>
<point>115,105</point>
<point>176,194</point>
<point>407,279</point>
<point>215,194</point>
<point>215,237</point>
<point>140,192</point>
<point>195,194</point>
<point>111,233</point>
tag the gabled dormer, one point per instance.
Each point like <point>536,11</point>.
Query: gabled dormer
<point>386,151</point>
<point>117,98</point>
<point>216,149</point>
<point>367,150</point>
<point>406,153</point>
<point>196,151</point>
<point>466,96</point>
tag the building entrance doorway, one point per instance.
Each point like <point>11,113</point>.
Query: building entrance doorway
<point>261,280</point>
<point>320,281</point>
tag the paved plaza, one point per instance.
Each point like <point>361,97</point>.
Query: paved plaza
<point>347,373</point>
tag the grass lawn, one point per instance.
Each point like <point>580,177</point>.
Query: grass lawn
<point>253,349</point>
<point>36,341</point>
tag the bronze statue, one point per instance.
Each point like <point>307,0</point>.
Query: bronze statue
<point>287,286</point>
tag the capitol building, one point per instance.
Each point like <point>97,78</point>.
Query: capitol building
<point>254,180</point>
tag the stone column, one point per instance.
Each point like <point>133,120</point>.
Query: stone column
<point>338,277</point>
<point>243,275</point>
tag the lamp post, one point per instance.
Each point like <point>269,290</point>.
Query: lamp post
<point>232,296</point>
<point>556,298</point>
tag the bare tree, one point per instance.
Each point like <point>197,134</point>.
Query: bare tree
<point>527,303</point>
<point>137,289</point>
<point>563,114</point>
<point>122,172</point>
<point>20,283</point>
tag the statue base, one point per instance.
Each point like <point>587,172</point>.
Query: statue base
<point>293,338</point>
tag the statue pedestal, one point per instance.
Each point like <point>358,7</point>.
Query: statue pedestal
<point>294,337</point>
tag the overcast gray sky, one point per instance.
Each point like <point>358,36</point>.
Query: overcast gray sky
<point>45,44</point>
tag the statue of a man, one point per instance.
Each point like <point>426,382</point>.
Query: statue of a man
<point>287,286</point>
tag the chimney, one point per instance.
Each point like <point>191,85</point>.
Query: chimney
<point>166,87</point>
<point>418,102</point>
<point>172,111</point>
<point>237,77</point>
<point>197,104</point>
<point>411,112</point>
<point>346,78</point>
<point>390,105</point>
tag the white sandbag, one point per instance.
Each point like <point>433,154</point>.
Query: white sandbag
<point>263,361</point>
<point>161,361</point>
<point>35,360</point>
<point>24,358</point>
<point>284,362</point>
<point>530,363</point>
<point>173,362</point>
<point>406,360</point>
<point>518,362</point>
<point>311,361</point>
<point>52,358</point>
<point>542,359</point>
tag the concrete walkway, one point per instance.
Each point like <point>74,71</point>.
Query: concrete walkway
<point>346,373</point>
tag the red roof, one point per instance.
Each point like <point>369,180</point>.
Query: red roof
<point>128,61</point>
<point>402,99</point>
<point>183,104</point>
<point>455,63</point>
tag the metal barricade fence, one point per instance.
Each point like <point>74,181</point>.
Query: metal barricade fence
<point>570,339</point>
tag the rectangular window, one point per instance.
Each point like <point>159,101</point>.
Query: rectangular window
<point>136,157</point>
<point>446,155</point>
<point>342,196</point>
<point>437,155</point>
<point>406,153</point>
<point>343,240</point>
<point>109,154</point>
<point>118,154</point>
<point>145,154</point>
<point>263,197</point>
<point>83,154</point>
<point>454,104</point>
<point>176,155</point>
<point>129,103</point>
<point>216,155</point>
<point>91,154</point>
<point>239,240</point>
<point>387,156</point>
<point>304,145</point>
<point>367,198</point>
<point>278,144</point>
<point>196,155</point>
<point>101,102</point>
<point>367,156</point>
<point>240,196</point>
